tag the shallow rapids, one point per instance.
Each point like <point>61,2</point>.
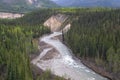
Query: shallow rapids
<point>63,65</point>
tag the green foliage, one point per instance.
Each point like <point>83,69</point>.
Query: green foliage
<point>95,34</point>
<point>18,39</point>
<point>48,76</point>
<point>16,44</point>
<point>37,17</point>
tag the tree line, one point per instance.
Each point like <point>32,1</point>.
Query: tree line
<point>95,35</point>
<point>17,43</point>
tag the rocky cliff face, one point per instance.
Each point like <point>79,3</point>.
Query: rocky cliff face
<point>55,22</point>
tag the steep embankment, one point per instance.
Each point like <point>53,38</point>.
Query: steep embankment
<point>55,22</point>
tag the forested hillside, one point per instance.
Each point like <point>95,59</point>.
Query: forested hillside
<point>95,36</point>
<point>18,40</point>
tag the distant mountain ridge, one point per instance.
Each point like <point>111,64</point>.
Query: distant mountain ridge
<point>28,5</point>
<point>88,3</point>
<point>25,5</point>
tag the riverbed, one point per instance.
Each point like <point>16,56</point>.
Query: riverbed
<point>63,64</point>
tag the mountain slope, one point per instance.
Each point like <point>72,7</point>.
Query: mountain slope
<point>88,3</point>
<point>24,5</point>
<point>41,3</point>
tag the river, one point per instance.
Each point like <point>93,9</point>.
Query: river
<point>64,64</point>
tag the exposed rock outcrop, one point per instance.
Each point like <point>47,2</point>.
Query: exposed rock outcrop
<point>55,22</point>
<point>67,27</point>
<point>32,1</point>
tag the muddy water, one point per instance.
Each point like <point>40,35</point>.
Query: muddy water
<point>63,64</point>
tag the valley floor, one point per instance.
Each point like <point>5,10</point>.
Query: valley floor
<point>60,60</point>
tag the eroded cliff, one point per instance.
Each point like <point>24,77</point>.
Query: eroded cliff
<point>58,22</point>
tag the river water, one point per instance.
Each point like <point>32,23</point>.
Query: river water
<point>64,64</point>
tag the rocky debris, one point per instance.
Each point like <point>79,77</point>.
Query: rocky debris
<point>62,64</point>
<point>50,55</point>
<point>55,22</point>
<point>43,45</point>
<point>66,28</point>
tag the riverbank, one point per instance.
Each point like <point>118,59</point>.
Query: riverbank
<point>38,72</point>
<point>92,65</point>
<point>98,69</point>
<point>50,55</point>
<point>5,15</point>
<point>63,63</point>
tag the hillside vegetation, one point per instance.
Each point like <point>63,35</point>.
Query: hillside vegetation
<point>94,36</point>
<point>18,40</point>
